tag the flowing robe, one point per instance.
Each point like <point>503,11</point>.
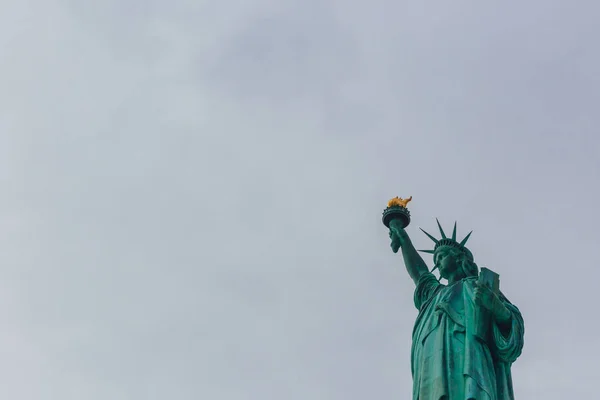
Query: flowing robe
<point>455,354</point>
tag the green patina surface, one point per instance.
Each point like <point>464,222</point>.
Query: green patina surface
<point>467,333</point>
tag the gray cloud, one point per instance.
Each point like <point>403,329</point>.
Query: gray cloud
<point>192,191</point>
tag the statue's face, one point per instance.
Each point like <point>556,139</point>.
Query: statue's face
<point>448,261</point>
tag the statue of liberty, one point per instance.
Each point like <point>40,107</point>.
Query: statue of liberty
<point>467,334</point>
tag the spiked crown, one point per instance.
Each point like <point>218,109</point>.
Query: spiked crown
<point>450,242</point>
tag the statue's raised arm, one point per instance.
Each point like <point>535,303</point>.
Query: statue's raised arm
<point>415,265</point>
<point>397,217</point>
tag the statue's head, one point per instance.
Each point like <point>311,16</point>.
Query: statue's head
<point>454,262</point>
<point>451,257</point>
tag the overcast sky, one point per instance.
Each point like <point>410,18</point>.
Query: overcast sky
<point>192,191</point>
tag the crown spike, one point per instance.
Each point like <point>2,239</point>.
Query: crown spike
<point>427,251</point>
<point>454,232</point>
<point>441,230</point>
<point>464,241</point>
<point>430,237</point>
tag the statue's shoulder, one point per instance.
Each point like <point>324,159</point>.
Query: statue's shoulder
<point>428,279</point>
<point>470,281</point>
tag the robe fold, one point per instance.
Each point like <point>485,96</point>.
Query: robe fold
<point>456,353</point>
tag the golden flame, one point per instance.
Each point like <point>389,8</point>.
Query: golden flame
<point>399,202</point>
